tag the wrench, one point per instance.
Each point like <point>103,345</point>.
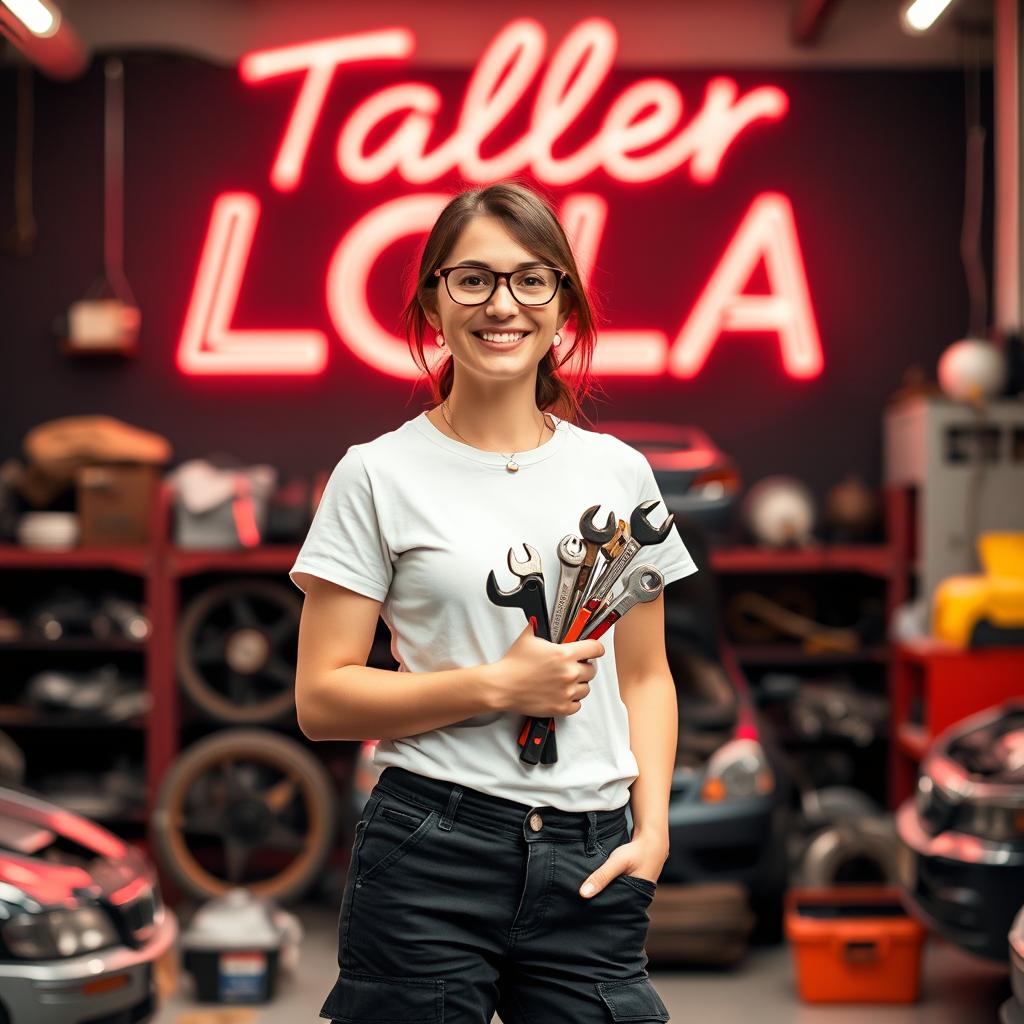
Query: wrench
<point>595,537</point>
<point>642,533</point>
<point>536,740</point>
<point>644,583</point>
<point>537,737</point>
<point>611,552</point>
<point>571,551</point>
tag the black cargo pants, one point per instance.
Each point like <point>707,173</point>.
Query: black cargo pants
<point>459,903</point>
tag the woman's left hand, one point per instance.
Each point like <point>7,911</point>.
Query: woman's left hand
<point>643,857</point>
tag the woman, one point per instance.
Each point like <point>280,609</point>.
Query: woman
<point>477,882</point>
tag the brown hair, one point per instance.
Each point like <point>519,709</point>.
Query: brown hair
<point>530,219</point>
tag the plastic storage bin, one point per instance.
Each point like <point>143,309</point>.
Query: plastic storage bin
<point>854,944</point>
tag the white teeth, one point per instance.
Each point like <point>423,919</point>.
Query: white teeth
<point>509,338</point>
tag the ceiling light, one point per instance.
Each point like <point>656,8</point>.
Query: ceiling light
<point>920,15</point>
<point>34,15</point>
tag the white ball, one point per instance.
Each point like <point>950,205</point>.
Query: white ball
<point>970,368</point>
<point>779,510</point>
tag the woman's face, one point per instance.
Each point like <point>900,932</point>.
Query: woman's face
<point>485,239</point>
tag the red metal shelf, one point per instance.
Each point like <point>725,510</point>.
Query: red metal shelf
<point>267,558</point>
<point>933,685</point>
<point>135,559</point>
<point>871,559</point>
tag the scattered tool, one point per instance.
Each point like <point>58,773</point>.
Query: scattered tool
<point>642,533</point>
<point>644,583</point>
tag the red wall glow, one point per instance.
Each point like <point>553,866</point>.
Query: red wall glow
<point>639,140</point>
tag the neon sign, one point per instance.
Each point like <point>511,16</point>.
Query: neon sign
<point>639,140</point>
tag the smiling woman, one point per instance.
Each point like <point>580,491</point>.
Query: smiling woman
<point>542,870</point>
<point>508,269</point>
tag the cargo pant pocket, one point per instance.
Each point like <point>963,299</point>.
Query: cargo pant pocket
<point>389,836</point>
<point>370,999</point>
<point>633,999</point>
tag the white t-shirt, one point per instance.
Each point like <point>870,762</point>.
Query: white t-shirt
<point>416,519</point>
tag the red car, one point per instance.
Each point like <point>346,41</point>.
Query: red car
<point>82,923</point>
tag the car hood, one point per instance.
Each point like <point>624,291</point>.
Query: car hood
<point>52,857</point>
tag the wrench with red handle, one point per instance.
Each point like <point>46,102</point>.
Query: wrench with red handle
<point>644,583</point>
<point>537,738</point>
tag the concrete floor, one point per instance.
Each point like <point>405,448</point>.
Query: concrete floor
<point>956,989</point>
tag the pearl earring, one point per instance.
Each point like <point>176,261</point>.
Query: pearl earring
<point>440,340</point>
<point>558,339</point>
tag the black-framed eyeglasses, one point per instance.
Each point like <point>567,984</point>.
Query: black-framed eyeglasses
<point>473,286</point>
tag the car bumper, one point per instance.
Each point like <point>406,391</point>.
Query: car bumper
<point>120,982</point>
<point>733,841</point>
<point>963,887</point>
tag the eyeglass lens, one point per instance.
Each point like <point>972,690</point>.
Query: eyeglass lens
<point>531,287</point>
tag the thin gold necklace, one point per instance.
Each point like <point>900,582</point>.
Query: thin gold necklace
<point>512,466</point>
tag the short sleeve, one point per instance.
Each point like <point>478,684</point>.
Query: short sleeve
<point>345,544</point>
<point>670,556</point>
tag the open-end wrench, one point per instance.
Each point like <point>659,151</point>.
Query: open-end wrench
<point>571,552</point>
<point>642,533</point>
<point>594,537</point>
<point>537,737</point>
<point>610,551</point>
<point>644,583</point>
<point>531,575</point>
<point>529,597</point>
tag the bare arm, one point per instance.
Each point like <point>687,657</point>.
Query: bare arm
<point>647,690</point>
<point>338,698</point>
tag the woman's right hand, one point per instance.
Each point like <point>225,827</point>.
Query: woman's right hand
<point>540,678</point>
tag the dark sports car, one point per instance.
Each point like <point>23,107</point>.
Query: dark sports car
<point>82,923</point>
<point>730,789</point>
<point>696,478</point>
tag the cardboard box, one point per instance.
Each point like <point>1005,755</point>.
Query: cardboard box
<point>115,502</point>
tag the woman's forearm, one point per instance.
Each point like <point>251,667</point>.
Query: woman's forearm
<point>360,703</point>
<point>653,734</point>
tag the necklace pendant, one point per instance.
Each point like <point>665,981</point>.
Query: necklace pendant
<point>512,466</point>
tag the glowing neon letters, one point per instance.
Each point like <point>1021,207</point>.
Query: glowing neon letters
<point>644,115</point>
<point>577,70</point>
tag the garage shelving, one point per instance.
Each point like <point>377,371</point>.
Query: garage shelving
<point>52,737</point>
<point>165,571</point>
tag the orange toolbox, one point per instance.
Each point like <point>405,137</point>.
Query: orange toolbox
<point>854,944</point>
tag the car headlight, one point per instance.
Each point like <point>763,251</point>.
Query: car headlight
<point>737,769</point>
<point>59,933</point>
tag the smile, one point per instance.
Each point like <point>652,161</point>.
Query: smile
<point>501,337</point>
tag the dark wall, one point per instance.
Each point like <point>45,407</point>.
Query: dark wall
<point>871,160</point>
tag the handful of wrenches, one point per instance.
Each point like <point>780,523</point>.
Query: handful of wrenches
<point>583,609</point>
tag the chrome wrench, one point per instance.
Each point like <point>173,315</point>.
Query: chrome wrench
<point>595,537</point>
<point>571,552</point>
<point>644,583</point>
